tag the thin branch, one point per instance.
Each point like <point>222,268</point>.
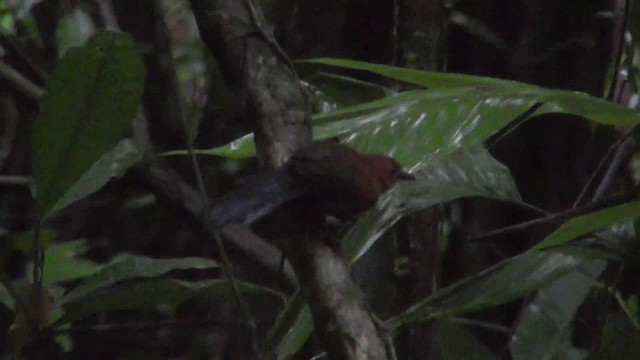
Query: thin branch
<point>279,111</point>
<point>168,184</point>
<point>620,159</point>
<point>10,44</point>
<point>137,327</point>
<point>481,325</point>
<point>619,52</point>
<point>227,268</point>
<point>21,83</point>
<point>15,180</point>
<point>516,123</point>
<point>557,217</point>
<point>610,153</point>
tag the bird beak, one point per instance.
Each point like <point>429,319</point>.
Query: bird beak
<point>406,176</point>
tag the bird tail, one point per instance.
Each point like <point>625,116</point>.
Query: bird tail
<point>256,197</point>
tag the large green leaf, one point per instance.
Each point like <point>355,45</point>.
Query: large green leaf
<point>153,292</point>
<point>113,164</point>
<point>426,123</point>
<point>593,108</point>
<point>92,95</point>
<point>501,283</point>
<point>127,266</point>
<point>563,101</point>
<point>330,92</point>
<point>585,224</point>
<point>411,125</point>
<point>430,79</point>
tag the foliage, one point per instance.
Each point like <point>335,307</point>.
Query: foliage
<point>91,98</point>
<point>438,130</point>
<point>436,133</point>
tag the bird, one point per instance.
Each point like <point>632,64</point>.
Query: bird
<point>332,178</point>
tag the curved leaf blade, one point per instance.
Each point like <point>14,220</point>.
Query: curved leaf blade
<point>423,122</point>
<point>62,262</point>
<point>430,79</point>
<point>593,108</point>
<point>113,164</point>
<point>582,225</point>
<point>501,283</point>
<point>92,96</point>
<point>129,266</point>
<point>150,293</point>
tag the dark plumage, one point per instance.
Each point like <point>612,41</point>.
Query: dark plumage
<point>334,178</point>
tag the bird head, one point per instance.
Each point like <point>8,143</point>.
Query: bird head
<point>387,171</point>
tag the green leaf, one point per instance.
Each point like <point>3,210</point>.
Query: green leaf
<point>585,224</point>
<point>113,164</point>
<point>151,293</point>
<point>127,266</point>
<point>467,108</point>
<point>291,329</point>
<point>295,339</point>
<point>593,108</point>
<point>413,125</point>
<point>61,262</point>
<point>549,317</point>
<point>501,283</point>
<point>430,79</point>
<point>92,95</point>
<point>468,172</point>
<point>330,91</point>
<point>427,123</point>
<point>240,148</point>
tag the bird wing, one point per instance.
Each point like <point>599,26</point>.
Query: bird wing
<point>255,199</point>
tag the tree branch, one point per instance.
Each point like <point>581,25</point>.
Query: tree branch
<point>277,108</point>
<point>559,217</point>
